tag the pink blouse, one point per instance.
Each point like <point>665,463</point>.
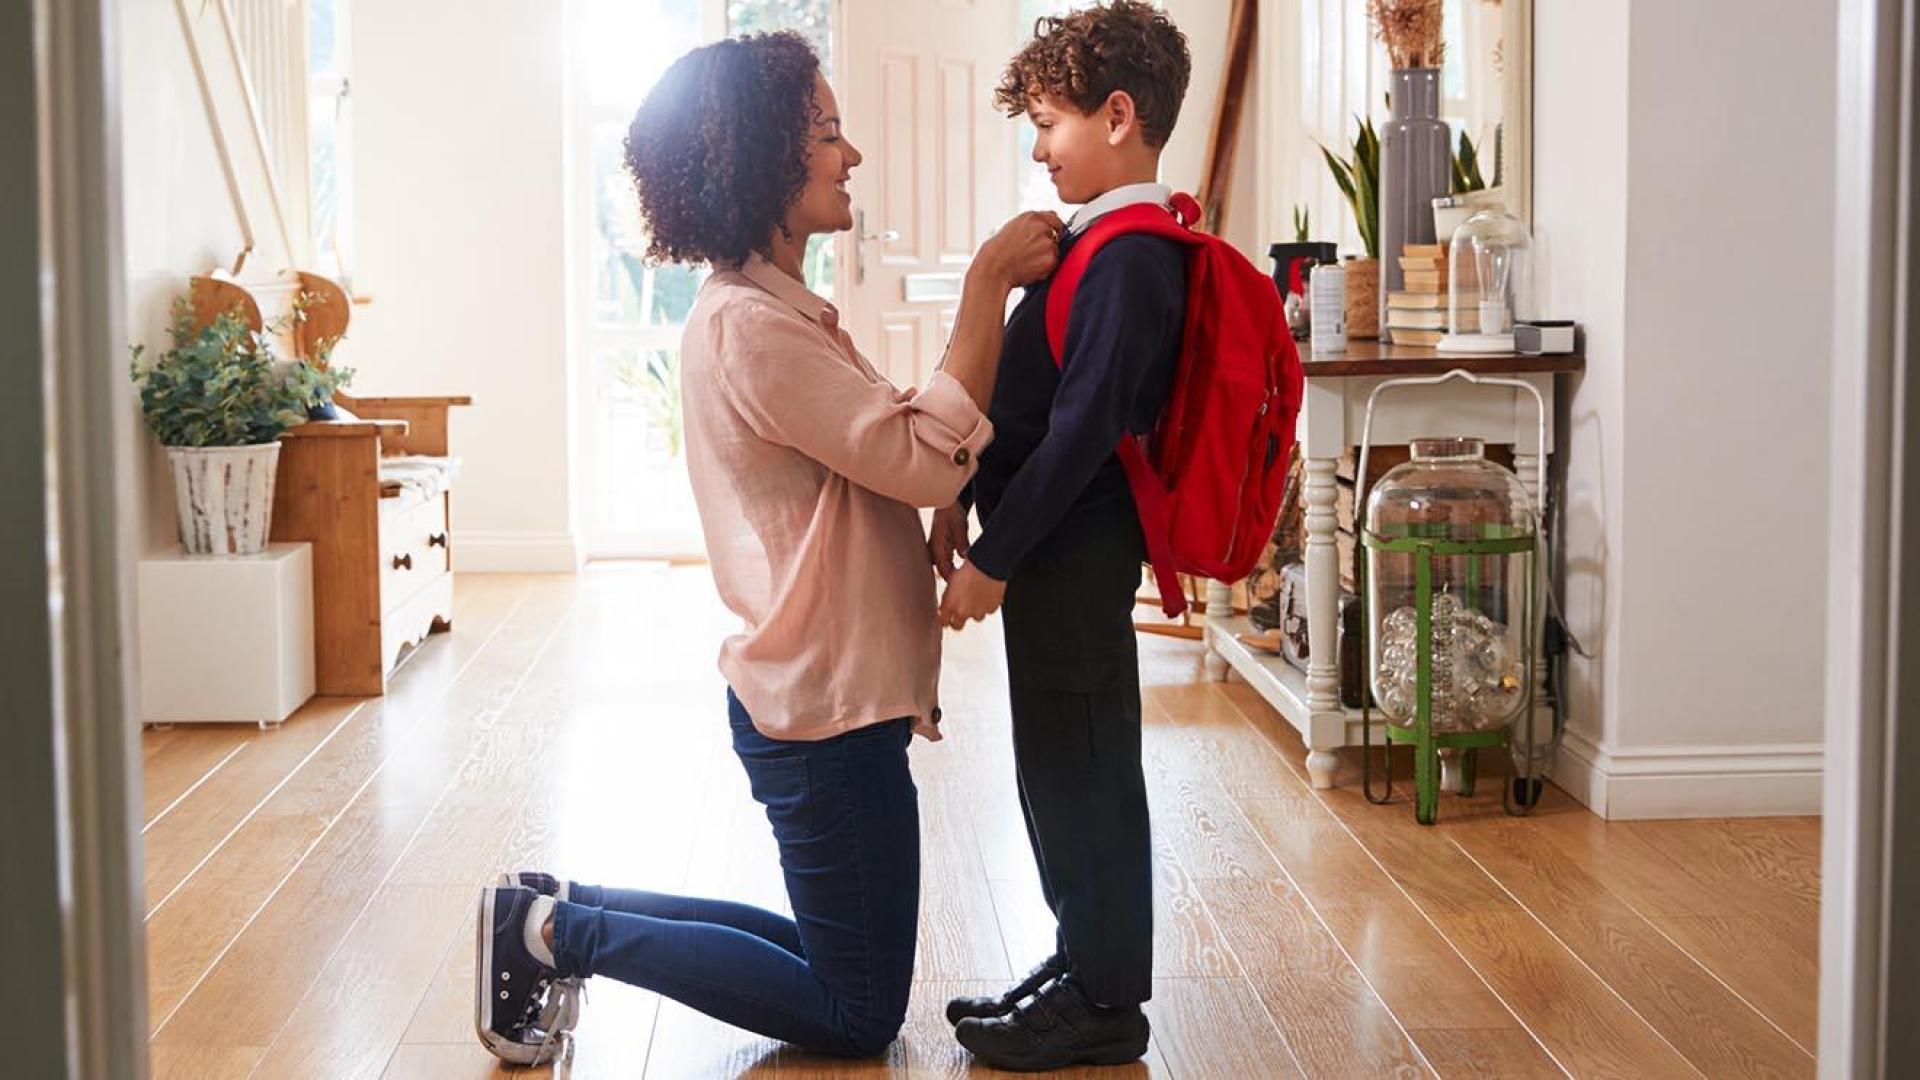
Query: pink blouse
<point>807,466</point>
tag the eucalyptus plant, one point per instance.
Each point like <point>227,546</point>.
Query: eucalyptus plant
<point>221,384</point>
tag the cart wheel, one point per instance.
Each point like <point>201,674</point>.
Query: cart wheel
<point>1469,770</point>
<point>1527,792</point>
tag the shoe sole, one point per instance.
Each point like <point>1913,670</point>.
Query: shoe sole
<point>1108,1054</point>
<point>507,1050</point>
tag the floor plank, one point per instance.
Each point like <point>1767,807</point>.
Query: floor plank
<point>1694,1011</point>
<point>176,759</point>
<point>313,886</point>
<point>299,926</point>
<point>359,1007</point>
<point>1217,1028</point>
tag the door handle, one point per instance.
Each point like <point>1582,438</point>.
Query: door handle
<point>861,237</point>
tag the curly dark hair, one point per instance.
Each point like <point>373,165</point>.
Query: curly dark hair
<point>1084,56</point>
<point>718,151</point>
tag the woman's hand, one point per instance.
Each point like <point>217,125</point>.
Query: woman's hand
<point>948,538</point>
<point>971,596</point>
<point>1025,249</point>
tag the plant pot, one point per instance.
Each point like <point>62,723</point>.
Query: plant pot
<point>1363,299</point>
<point>1449,213</point>
<point>223,496</point>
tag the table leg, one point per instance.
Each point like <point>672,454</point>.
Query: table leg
<point>1323,630</point>
<point>1219,606</point>
<point>1527,466</point>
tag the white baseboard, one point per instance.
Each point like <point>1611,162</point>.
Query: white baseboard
<point>502,551</point>
<point>1624,784</point>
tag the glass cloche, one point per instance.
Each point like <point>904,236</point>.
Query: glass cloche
<point>1472,523</point>
<point>1489,283</point>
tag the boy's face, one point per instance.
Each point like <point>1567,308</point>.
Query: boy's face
<point>1080,150</point>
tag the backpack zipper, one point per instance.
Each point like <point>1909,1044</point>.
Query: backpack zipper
<point>1233,538</point>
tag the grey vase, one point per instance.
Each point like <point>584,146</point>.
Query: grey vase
<point>1416,166</point>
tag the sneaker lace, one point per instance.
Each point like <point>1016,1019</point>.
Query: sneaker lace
<point>553,1009</point>
<point>564,998</point>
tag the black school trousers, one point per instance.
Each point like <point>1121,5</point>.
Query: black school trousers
<point>1074,677</point>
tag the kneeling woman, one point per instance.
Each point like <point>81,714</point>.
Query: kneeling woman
<point>807,466</point>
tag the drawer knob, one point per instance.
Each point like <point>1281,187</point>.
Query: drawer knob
<point>437,540</point>
<point>403,562</point>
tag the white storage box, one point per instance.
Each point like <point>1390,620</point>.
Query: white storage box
<point>226,638</point>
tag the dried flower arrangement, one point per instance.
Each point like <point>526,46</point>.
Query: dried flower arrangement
<point>1410,29</point>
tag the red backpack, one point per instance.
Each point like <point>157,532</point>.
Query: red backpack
<point>1208,481</point>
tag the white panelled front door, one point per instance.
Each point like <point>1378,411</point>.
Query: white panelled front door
<point>916,95</point>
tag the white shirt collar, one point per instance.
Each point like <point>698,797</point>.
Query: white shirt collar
<point>1124,195</point>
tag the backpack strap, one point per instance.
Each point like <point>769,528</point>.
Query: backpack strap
<point>1149,494</point>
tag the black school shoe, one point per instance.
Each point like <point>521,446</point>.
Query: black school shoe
<point>1057,1028</point>
<point>510,986</point>
<point>987,1008</point>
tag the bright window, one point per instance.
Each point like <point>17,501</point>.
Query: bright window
<point>330,136</point>
<point>635,497</point>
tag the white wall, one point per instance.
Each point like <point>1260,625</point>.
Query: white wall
<point>459,187</point>
<point>1205,24</point>
<point>1680,196</point>
<point>460,200</point>
<point>1730,194</point>
<point>1580,103</point>
<point>178,216</point>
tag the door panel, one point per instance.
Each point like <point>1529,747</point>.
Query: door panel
<point>939,174</point>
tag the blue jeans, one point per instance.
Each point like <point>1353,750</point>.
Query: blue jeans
<point>834,978</point>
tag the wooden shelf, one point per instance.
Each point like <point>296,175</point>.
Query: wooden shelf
<point>346,429</point>
<point>1280,683</point>
<point>354,402</point>
<point>1284,686</point>
<point>1377,358</point>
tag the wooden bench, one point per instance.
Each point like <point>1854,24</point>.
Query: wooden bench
<point>382,553</point>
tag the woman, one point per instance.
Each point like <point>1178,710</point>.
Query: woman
<point>807,467</point>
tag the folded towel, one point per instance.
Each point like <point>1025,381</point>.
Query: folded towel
<point>422,476</point>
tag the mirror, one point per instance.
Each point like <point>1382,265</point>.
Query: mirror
<point>1486,86</point>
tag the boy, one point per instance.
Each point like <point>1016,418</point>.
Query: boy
<point>1061,542</point>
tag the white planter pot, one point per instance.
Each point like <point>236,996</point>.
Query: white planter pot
<point>224,497</point>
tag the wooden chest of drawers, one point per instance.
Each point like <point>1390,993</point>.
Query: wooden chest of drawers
<point>382,556</point>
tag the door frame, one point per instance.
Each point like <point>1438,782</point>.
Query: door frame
<point>1870,853</point>
<point>77,745</point>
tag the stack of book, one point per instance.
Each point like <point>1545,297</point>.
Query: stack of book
<point>1417,314</point>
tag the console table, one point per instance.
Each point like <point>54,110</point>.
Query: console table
<point>1337,387</point>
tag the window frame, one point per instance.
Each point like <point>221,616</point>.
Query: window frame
<point>335,88</point>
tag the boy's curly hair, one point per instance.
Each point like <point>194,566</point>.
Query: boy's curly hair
<point>718,151</point>
<point>1084,56</point>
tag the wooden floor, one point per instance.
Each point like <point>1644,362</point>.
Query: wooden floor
<point>310,889</point>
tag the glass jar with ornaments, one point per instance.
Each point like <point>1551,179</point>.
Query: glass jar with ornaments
<point>1449,586</point>
<point>1489,283</point>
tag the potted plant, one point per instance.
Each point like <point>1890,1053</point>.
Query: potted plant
<point>218,399</point>
<point>1450,210</point>
<point>1359,180</point>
